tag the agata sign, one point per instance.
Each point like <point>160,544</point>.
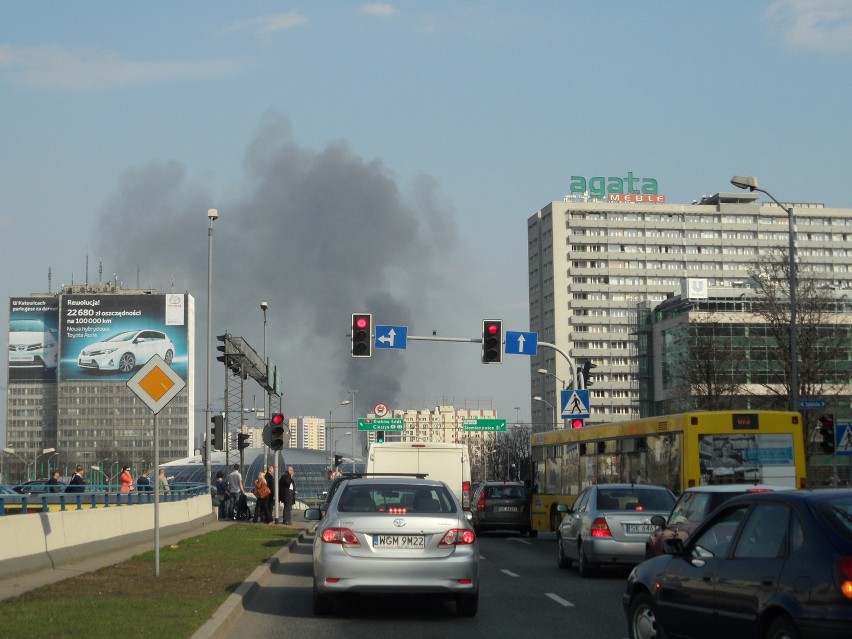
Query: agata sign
<point>618,189</point>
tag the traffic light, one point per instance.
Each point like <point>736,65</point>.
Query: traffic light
<point>362,333</point>
<point>492,341</point>
<point>380,437</point>
<point>217,433</point>
<point>276,431</point>
<point>827,432</point>
<point>577,423</point>
<point>222,358</point>
<point>587,374</point>
<point>337,460</point>
<point>242,440</point>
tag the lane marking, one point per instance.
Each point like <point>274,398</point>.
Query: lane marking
<point>559,600</point>
<point>508,572</point>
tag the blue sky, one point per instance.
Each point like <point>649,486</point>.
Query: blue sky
<point>386,156</point>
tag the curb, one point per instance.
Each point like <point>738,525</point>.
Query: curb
<point>226,617</point>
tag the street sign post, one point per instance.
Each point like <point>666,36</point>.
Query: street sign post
<point>493,425</point>
<point>811,403</point>
<point>388,423</point>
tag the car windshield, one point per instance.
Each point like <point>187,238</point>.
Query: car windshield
<point>838,511</point>
<point>635,498</point>
<point>27,326</point>
<point>126,336</point>
<point>393,497</point>
<point>504,492</point>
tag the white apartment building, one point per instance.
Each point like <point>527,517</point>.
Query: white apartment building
<point>591,262</point>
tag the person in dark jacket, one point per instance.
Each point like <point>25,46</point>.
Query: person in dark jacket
<point>53,482</point>
<point>143,483</point>
<point>287,494</point>
<point>77,483</point>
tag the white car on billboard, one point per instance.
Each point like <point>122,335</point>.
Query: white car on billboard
<point>32,344</point>
<point>126,350</point>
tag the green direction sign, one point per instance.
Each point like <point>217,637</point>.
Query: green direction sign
<point>384,423</point>
<point>484,424</point>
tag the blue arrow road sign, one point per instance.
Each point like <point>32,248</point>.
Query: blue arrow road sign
<point>812,403</point>
<point>518,343</point>
<point>391,337</point>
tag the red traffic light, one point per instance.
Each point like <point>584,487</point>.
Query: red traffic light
<point>361,322</point>
<point>577,423</point>
<point>492,329</point>
<point>277,418</point>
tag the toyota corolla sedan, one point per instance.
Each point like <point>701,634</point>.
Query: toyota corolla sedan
<point>32,345</point>
<point>394,536</point>
<point>609,524</point>
<point>771,565</point>
<point>126,350</point>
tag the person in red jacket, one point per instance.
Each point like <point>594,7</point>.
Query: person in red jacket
<point>126,480</point>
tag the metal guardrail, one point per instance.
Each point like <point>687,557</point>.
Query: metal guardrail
<point>102,497</point>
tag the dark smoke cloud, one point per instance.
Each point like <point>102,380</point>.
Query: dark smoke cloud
<point>316,234</point>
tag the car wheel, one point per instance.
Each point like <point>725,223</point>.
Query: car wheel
<point>169,357</point>
<point>561,560</point>
<point>467,606</point>
<point>585,568</point>
<point>643,623</point>
<point>322,604</point>
<point>127,363</point>
<point>554,520</point>
<point>782,628</point>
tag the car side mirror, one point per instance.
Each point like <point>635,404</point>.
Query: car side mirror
<point>659,521</point>
<point>562,508</point>
<point>468,515</point>
<point>673,546</point>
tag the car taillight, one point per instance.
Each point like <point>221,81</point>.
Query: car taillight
<point>600,528</point>
<point>466,495</point>
<point>457,537</point>
<point>480,505</point>
<point>342,536</point>
<point>758,490</point>
<point>393,510</point>
<point>843,576</point>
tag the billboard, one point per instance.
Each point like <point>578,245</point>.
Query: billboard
<point>111,336</point>
<point>33,339</point>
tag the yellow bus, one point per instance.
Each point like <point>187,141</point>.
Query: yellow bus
<point>676,451</point>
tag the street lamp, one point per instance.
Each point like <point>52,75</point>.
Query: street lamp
<point>539,398</point>
<point>48,462</point>
<point>334,448</point>
<point>750,182</point>
<point>328,426</point>
<point>544,371</point>
<point>44,451</point>
<point>212,214</point>
<point>11,451</point>
<point>266,405</point>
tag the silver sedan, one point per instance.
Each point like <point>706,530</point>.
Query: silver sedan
<point>394,535</point>
<point>609,525</point>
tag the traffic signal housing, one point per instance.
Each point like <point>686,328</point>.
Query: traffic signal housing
<point>492,341</point>
<point>587,373</point>
<point>380,437</point>
<point>217,432</point>
<point>577,423</point>
<point>276,431</point>
<point>362,334</point>
<point>337,460</point>
<point>826,431</point>
<point>242,440</point>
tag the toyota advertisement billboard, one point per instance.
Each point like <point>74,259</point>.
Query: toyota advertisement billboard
<point>112,336</point>
<point>33,339</point>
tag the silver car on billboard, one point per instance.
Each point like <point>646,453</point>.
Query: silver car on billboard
<point>126,350</point>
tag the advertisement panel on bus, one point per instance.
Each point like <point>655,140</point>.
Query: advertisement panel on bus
<point>111,336</point>
<point>33,339</point>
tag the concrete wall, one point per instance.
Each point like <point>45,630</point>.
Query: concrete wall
<point>40,541</point>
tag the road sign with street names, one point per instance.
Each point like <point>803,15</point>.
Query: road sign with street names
<point>484,424</point>
<point>520,343</point>
<point>388,423</point>
<point>391,337</point>
<point>811,403</point>
<point>575,403</point>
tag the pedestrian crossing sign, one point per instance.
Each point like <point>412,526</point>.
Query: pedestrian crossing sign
<point>575,404</point>
<point>843,441</point>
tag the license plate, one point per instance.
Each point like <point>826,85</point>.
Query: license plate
<point>399,541</point>
<point>640,528</point>
<point>14,357</point>
<point>507,509</point>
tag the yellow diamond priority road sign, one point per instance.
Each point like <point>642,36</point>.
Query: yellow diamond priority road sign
<point>156,383</point>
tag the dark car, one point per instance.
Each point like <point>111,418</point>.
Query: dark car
<point>771,565</point>
<point>501,505</point>
<point>692,507</point>
<point>39,487</point>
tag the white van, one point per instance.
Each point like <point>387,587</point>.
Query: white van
<point>449,463</point>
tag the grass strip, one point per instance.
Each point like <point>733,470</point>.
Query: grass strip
<point>196,576</point>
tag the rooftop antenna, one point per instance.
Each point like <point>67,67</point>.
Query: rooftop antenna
<point>100,270</point>
<point>49,280</point>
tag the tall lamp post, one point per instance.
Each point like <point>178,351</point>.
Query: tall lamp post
<point>11,451</point>
<point>328,426</point>
<point>334,446</point>
<point>539,398</point>
<point>750,182</point>
<point>544,371</point>
<point>263,307</point>
<point>44,451</point>
<point>354,425</point>
<point>212,214</point>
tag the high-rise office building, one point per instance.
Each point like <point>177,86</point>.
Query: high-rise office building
<point>592,260</point>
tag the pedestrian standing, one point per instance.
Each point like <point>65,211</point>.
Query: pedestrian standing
<point>143,484</point>
<point>269,476</point>
<point>236,488</point>
<point>126,479</point>
<point>221,499</point>
<point>163,481</point>
<point>287,494</point>
<point>262,508</point>
<point>77,483</point>
<point>53,482</point>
